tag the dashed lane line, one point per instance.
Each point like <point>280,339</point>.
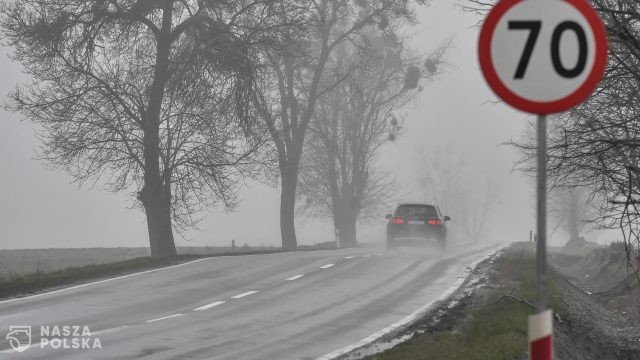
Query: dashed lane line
<point>209,306</point>
<point>240,296</point>
<point>164,318</point>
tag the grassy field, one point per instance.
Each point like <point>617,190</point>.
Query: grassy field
<point>33,282</point>
<point>17,263</point>
<point>489,326</point>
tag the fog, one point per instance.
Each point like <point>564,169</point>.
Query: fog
<point>44,208</point>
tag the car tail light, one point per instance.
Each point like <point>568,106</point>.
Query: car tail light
<point>435,222</point>
<point>397,220</point>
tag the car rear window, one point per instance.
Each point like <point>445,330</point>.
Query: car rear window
<point>419,211</point>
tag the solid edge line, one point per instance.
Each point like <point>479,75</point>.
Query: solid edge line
<point>2,302</point>
<point>326,266</point>
<point>163,318</point>
<point>209,306</point>
<point>416,314</point>
<point>296,277</point>
<point>240,296</point>
<point>101,281</point>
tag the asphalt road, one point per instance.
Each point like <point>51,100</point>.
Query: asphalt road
<point>298,305</point>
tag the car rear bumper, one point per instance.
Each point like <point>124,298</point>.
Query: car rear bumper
<point>415,240</point>
<point>416,234</point>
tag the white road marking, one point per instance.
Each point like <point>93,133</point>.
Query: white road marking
<point>366,256</point>
<point>103,281</point>
<point>349,257</point>
<point>209,306</point>
<point>239,296</point>
<point>164,318</point>
<point>326,266</point>
<point>295,277</point>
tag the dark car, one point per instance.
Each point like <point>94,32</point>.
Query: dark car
<point>416,224</point>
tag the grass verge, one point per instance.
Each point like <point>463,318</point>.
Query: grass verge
<point>30,283</point>
<point>487,325</point>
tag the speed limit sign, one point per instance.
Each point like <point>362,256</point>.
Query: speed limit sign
<point>543,56</point>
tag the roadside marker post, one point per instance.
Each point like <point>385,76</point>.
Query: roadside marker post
<point>541,336</point>
<point>542,57</point>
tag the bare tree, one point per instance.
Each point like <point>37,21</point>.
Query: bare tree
<point>137,93</point>
<point>572,209</point>
<point>596,144</point>
<point>461,190</point>
<point>476,6</point>
<point>296,77</point>
<point>339,176</point>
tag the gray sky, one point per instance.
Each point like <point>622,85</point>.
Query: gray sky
<point>42,208</point>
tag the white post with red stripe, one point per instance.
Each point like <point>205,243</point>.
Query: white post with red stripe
<point>541,336</point>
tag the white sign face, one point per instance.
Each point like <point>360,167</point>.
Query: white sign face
<point>535,76</point>
<point>543,56</point>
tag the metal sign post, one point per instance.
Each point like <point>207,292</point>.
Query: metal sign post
<point>541,246</point>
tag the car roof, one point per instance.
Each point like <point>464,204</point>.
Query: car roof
<point>417,203</point>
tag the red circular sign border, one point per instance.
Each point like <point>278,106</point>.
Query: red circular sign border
<point>536,107</point>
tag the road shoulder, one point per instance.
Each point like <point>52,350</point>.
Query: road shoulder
<point>487,316</point>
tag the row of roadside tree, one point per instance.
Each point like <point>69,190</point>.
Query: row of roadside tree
<point>177,101</point>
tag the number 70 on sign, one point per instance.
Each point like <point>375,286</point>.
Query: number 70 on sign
<point>543,56</point>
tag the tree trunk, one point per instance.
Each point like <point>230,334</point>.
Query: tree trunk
<point>158,214</point>
<point>155,195</point>
<point>348,226</point>
<point>289,179</point>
